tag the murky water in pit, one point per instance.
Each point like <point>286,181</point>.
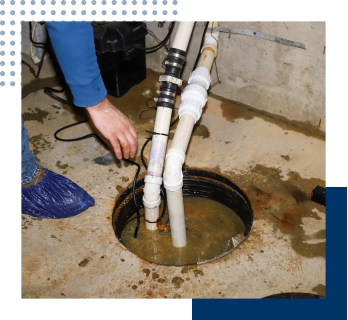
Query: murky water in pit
<point>209,226</point>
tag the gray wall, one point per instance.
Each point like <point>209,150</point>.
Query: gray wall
<point>274,78</point>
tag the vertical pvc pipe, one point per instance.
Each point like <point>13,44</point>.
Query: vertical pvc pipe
<point>153,178</point>
<point>175,198</point>
<point>182,36</point>
<point>193,100</point>
<point>155,166</point>
<point>207,58</point>
<point>177,217</point>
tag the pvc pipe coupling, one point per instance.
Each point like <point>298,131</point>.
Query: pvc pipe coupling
<point>151,204</point>
<point>150,181</point>
<point>193,99</point>
<point>200,76</point>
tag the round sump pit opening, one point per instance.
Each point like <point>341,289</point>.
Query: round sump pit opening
<point>218,218</point>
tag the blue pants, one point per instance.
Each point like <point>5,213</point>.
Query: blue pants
<point>30,168</point>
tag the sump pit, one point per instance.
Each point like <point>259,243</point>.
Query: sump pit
<point>218,218</point>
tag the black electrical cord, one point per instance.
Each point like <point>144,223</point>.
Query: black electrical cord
<point>200,47</point>
<point>162,43</point>
<point>146,110</point>
<point>49,91</point>
<point>79,138</point>
<point>42,54</point>
<point>40,65</point>
<point>31,37</point>
<point>91,135</point>
<point>134,197</point>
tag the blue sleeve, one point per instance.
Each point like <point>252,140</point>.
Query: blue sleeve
<point>73,44</point>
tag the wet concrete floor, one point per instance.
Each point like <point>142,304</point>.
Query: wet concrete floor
<point>275,163</point>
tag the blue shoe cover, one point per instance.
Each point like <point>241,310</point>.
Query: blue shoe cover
<point>55,197</point>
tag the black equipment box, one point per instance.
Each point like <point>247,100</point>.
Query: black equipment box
<point>120,49</point>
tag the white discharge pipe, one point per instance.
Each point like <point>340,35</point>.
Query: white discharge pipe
<point>183,35</point>
<point>153,178</point>
<point>193,100</point>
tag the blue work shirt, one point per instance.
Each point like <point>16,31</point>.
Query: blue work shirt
<point>73,44</point>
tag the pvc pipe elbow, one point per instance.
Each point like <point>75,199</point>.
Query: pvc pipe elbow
<point>173,177</point>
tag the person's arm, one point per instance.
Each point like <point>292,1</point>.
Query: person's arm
<point>73,44</point>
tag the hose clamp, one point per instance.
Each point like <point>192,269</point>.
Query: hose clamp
<point>167,93</point>
<point>166,100</point>
<point>176,55</point>
<point>173,64</point>
<point>166,78</point>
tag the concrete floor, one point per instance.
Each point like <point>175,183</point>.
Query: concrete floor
<point>276,164</point>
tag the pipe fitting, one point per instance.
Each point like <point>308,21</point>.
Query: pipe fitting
<point>176,152</point>
<point>152,191</point>
<point>176,185</point>
<point>200,76</point>
<point>193,100</point>
<point>173,177</point>
<point>151,204</point>
<point>151,201</point>
<point>153,179</point>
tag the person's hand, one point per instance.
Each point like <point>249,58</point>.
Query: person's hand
<point>115,127</point>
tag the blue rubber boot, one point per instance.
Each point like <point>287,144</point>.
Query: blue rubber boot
<point>55,197</point>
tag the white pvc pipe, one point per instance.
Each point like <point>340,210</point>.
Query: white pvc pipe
<point>183,132</point>
<point>193,100</point>
<point>183,35</point>
<point>153,178</point>
<point>177,217</point>
<point>207,58</point>
<point>152,198</point>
